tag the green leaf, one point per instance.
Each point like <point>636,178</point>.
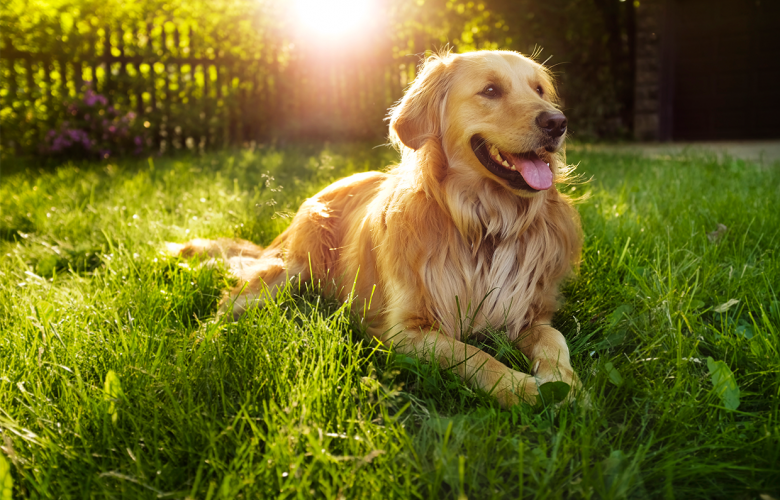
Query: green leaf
<point>47,265</point>
<point>6,481</point>
<point>112,392</point>
<point>614,466</point>
<point>745,330</point>
<point>774,307</point>
<point>696,304</point>
<point>613,374</point>
<point>45,312</point>
<point>612,340</point>
<point>618,314</point>
<point>552,392</point>
<point>725,384</point>
<point>440,424</point>
<point>725,306</point>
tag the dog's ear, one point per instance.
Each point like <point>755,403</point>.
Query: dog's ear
<point>417,117</point>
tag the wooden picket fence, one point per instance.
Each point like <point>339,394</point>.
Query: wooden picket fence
<point>193,98</point>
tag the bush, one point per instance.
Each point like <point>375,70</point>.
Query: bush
<point>96,129</point>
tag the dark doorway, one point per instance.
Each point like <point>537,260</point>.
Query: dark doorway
<point>725,72</point>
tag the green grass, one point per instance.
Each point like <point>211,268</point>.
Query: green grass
<point>116,380</point>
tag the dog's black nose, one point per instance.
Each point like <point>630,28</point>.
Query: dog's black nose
<point>553,124</point>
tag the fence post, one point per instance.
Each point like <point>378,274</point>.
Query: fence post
<point>166,76</point>
<point>206,68</point>
<point>257,106</point>
<point>78,76</point>
<point>194,130</point>
<point>176,72</point>
<point>109,88</point>
<point>232,101</point>
<point>134,87</point>
<point>122,87</point>
<point>31,90</point>
<point>153,115</point>
<point>12,86</point>
<point>46,93</point>
<point>65,92</point>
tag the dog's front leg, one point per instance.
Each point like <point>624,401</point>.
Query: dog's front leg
<point>546,348</point>
<point>476,367</point>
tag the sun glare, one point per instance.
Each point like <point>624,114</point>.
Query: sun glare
<point>333,19</point>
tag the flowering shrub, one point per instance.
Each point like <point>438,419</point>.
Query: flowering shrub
<point>96,129</point>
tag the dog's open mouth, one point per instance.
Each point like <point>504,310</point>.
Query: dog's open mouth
<point>520,170</point>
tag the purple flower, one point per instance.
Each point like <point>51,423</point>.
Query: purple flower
<point>90,98</point>
<point>95,132</point>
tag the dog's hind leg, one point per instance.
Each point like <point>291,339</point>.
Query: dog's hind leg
<point>228,250</point>
<point>264,279</point>
<point>261,273</point>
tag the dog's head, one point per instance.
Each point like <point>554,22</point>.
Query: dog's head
<point>492,113</point>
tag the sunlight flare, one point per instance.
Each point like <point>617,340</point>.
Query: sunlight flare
<point>333,19</point>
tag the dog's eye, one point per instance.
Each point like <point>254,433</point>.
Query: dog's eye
<point>491,91</point>
<point>539,90</point>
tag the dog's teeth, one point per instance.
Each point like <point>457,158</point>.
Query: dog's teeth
<point>548,164</point>
<point>513,167</point>
<point>505,163</point>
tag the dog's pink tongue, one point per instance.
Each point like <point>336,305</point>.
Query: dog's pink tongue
<point>535,172</point>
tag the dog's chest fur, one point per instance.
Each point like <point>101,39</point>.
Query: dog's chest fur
<point>495,285</point>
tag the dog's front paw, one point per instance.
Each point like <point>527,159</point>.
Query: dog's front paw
<point>515,388</point>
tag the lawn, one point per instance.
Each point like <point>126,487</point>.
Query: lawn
<point>117,380</point>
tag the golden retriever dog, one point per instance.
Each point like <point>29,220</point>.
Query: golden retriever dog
<point>469,231</point>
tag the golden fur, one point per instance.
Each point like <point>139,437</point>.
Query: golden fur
<point>439,247</point>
